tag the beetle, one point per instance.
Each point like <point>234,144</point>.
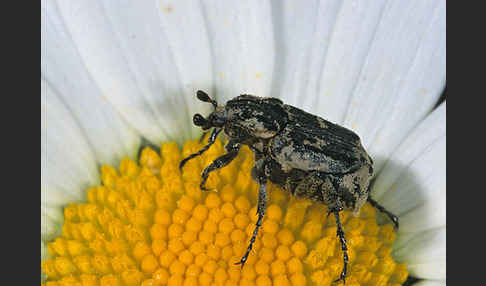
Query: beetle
<point>301,153</point>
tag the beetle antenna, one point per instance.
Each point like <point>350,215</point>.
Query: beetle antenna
<point>202,96</point>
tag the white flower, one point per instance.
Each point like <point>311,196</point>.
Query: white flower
<point>113,72</point>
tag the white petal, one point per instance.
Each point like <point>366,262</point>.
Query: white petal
<point>67,163</point>
<point>44,256</point>
<point>52,219</point>
<point>353,33</point>
<point>44,252</point>
<point>324,54</point>
<point>402,77</point>
<point>430,283</point>
<point>413,182</point>
<point>241,37</point>
<point>184,25</point>
<point>302,34</point>
<point>424,253</point>
<point>430,270</point>
<point>146,68</point>
<point>62,67</point>
<point>372,52</point>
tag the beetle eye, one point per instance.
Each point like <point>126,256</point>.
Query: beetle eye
<point>199,120</point>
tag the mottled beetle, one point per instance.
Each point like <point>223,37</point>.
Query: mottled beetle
<point>301,153</point>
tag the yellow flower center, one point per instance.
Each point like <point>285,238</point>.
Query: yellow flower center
<point>148,224</point>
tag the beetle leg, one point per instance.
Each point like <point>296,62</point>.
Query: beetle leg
<point>338,209</point>
<point>262,201</point>
<point>211,140</point>
<point>379,207</point>
<point>233,148</point>
<point>340,233</point>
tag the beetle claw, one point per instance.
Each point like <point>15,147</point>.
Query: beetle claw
<point>242,262</point>
<point>395,222</point>
<point>342,277</point>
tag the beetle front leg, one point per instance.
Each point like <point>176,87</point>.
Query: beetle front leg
<point>211,140</point>
<point>233,148</point>
<point>262,202</point>
<point>340,234</point>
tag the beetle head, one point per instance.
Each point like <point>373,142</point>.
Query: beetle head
<point>217,118</point>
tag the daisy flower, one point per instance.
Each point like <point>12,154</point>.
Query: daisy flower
<point>118,76</point>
